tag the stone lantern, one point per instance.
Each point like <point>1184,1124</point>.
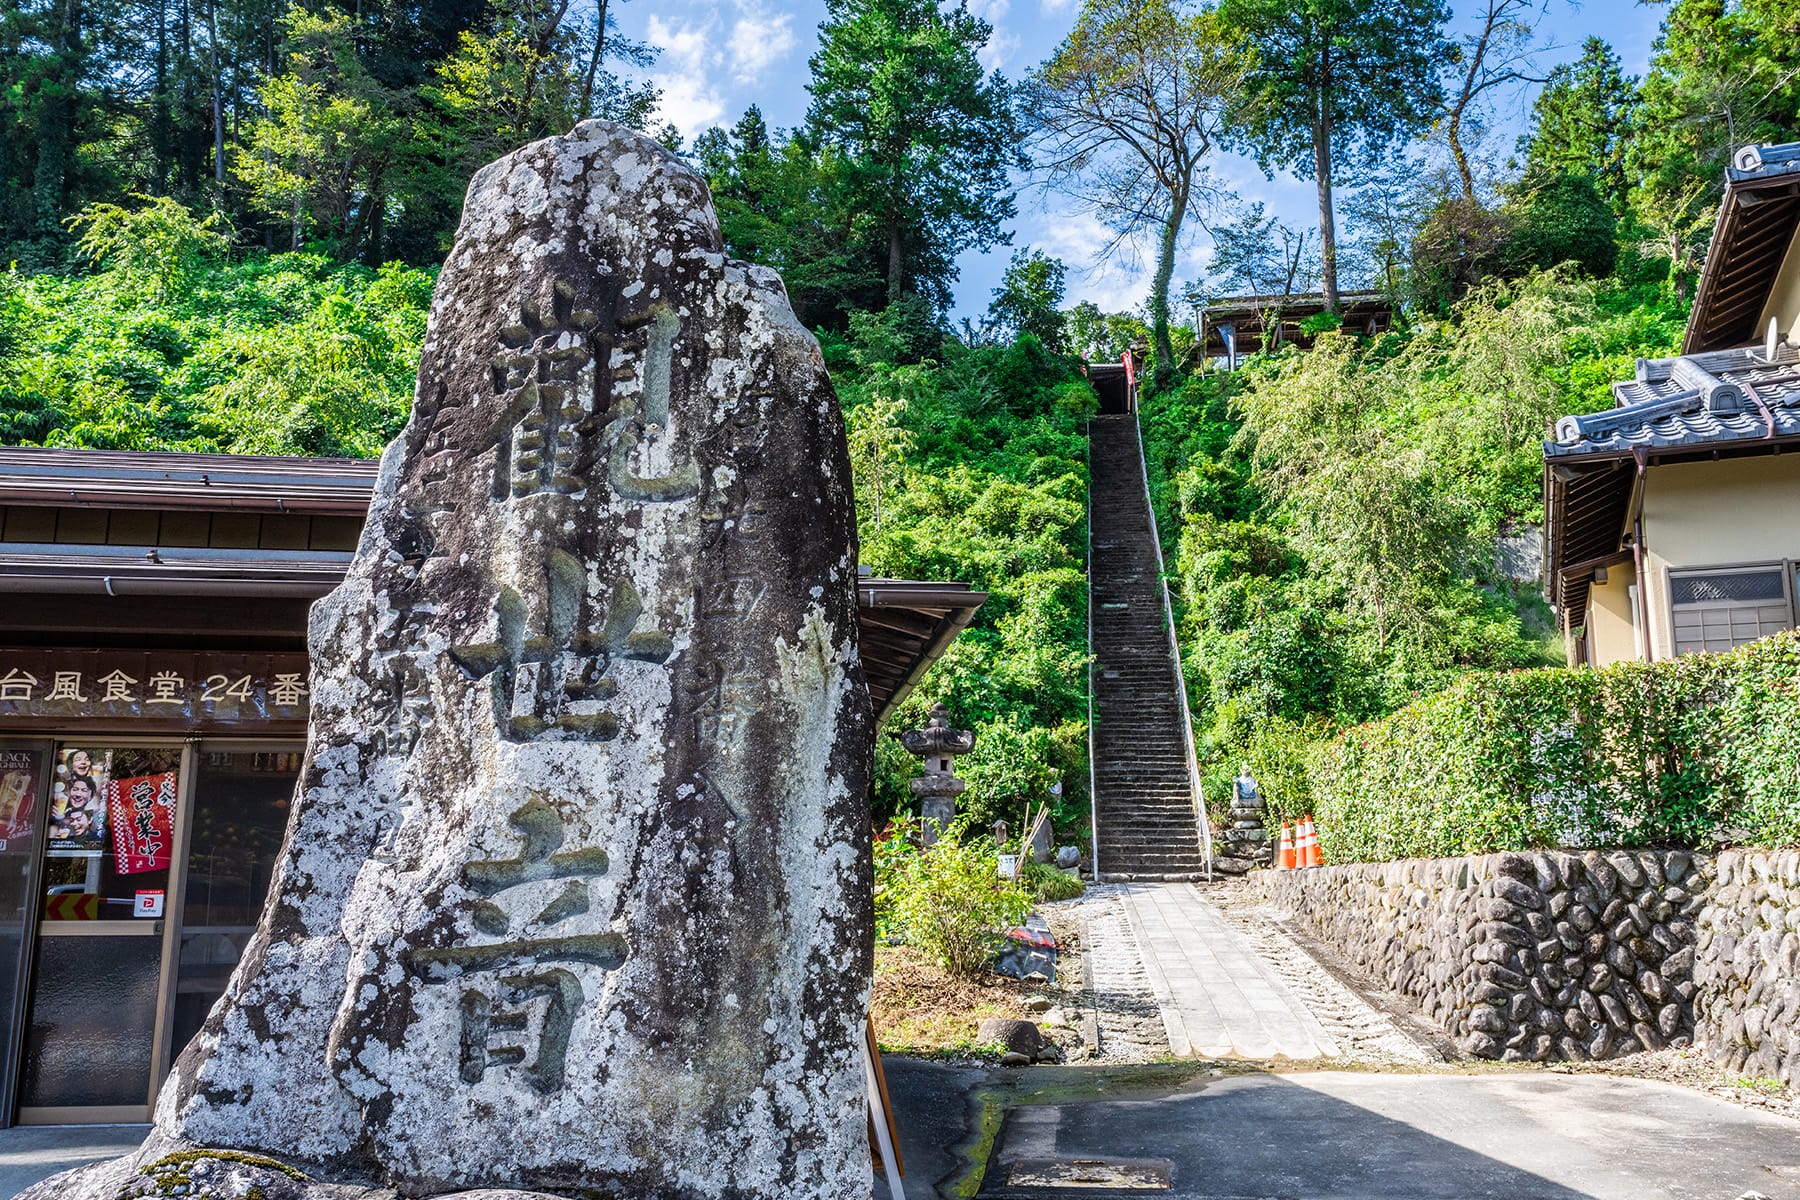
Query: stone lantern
<point>937,789</point>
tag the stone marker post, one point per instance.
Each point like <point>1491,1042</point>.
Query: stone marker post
<point>575,892</point>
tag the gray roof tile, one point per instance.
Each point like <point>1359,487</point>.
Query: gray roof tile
<point>1697,399</point>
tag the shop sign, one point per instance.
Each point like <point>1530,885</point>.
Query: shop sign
<point>200,689</point>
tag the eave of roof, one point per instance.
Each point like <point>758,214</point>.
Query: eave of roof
<point>1722,399</point>
<point>1758,216</point>
<point>1723,403</point>
<point>170,480</point>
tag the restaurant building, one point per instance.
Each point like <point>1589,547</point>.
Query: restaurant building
<point>153,706</point>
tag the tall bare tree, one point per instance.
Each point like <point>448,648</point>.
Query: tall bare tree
<point>1129,110</point>
<point>1497,52</point>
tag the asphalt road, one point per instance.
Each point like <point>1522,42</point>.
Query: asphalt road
<point>1333,1135</point>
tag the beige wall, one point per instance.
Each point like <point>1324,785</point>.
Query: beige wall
<point>1716,513</point>
<point>1784,297</point>
<point>1612,635</point>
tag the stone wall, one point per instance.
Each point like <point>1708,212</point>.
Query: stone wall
<point>1525,956</point>
<point>1748,965</point>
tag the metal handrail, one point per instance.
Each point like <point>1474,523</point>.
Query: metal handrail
<point>1187,721</point>
<point>1093,775</point>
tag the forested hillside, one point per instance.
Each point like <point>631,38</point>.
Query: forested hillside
<point>222,219</point>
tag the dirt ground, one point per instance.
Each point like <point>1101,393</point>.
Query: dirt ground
<point>921,1009</point>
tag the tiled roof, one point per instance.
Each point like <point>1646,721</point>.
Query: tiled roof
<point>1709,399</point>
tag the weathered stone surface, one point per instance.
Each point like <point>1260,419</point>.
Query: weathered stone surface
<point>575,891</point>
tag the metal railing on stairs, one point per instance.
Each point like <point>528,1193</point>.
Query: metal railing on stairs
<point>1093,775</point>
<point>1197,795</point>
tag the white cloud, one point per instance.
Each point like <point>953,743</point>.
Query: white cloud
<point>699,61</point>
<point>1000,47</point>
<point>1055,7</point>
<point>690,101</point>
<point>685,44</point>
<point>759,39</point>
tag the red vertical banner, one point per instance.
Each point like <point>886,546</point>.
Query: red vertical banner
<point>142,810</point>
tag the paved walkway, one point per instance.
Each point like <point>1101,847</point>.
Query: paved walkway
<point>1219,998</point>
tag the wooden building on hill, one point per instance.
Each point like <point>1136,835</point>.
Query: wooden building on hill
<point>153,710</point>
<point>1673,518</point>
<point>1240,325</point>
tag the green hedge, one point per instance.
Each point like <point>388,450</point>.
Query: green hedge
<point>1697,751</point>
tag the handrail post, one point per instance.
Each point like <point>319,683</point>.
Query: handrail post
<point>1093,776</point>
<point>1187,721</point>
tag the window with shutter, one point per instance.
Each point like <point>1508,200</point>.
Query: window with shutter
<point>1716,610</point>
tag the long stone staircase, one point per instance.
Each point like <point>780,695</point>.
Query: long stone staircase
<point>1143,804</point>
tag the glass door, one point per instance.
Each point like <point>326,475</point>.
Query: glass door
<point>242,795</point>
<point>94,1039</point>
<point>24,786</point>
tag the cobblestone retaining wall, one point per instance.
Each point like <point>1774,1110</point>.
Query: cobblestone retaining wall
<point>1748,964</point>
<point>1528,956</point>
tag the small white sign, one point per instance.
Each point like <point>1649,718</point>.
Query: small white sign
<point>149,904</point>
<point>1009,866</point>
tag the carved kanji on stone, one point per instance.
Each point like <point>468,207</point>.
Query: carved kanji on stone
<point>549,661</point>
<point>523,992</point>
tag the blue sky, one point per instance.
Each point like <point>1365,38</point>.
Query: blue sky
<point>720,56</point>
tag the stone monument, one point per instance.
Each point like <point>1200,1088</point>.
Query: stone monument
<point>938,746</point>
<point>575,892</point>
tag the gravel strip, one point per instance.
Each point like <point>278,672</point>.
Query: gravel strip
<point>1099,955</point>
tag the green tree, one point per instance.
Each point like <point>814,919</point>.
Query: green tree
<point>158,247</point>
<point>509,83</point>
<point>1129,109</point>
<point>927,139</point>
<point>323,156</point>
<point>782,202</point>
<point>1561,218</point>
<point>1720,77</point>
<point>1358,498</point>
<point>1336,83</point>
<point>1029,298</point>
<point>1581,122</point>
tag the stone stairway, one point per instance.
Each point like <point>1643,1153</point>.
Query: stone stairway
<point>1142,799</point>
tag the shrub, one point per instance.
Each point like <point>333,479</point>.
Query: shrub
<point>1697,751</point>
<point>1048,884</point>
<point>948,901</point>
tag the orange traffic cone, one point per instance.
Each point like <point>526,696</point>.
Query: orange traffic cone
<point>1309,844</point>
<point>1284,858</point>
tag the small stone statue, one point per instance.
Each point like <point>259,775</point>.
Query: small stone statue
<point>1247,837</point>
<point>937,789</point>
